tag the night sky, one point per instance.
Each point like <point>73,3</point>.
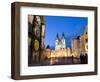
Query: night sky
<point>71,26</point>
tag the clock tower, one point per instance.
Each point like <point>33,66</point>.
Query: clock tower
<point>37,37</point>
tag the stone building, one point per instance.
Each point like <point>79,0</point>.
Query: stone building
<point>75,47</point>
<point>84,41</point>
<point>80,44</point>
<point>36,34</point>
<point>69,52</point>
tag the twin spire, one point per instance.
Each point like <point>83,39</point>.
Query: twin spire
<point>63,36</point>
<point>60,43</point>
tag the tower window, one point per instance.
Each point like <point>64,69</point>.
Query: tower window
<point>86,40</point>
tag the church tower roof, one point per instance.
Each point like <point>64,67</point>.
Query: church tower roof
<point>63,35</point>
<point>57,36</point>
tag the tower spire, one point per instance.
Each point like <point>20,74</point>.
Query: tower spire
<point>63,35</point>
<point>57,36</point>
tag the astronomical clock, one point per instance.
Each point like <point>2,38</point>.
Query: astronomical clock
<point>37,40</point>
<point>36,45</point>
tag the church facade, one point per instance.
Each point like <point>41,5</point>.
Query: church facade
<point>60,43</point>
<point>60,47</point>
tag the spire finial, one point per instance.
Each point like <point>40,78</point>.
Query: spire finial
<point>63,34</point>
<point>57,36</point>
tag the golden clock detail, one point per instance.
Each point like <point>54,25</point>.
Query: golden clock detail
<point>36,45</point>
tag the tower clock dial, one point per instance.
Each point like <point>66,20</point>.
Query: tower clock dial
<point>37,32</point>
<point>36,45</point>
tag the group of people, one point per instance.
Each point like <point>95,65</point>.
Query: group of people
<point>83,58</point>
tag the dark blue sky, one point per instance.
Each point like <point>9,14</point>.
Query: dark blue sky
<point>71,26</point>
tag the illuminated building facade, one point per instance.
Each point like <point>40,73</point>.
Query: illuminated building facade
<point>80,44</point>
<point>75,47</point>
<point>60,43</point>
<point>84,41</point>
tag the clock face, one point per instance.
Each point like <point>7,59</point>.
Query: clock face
<point>37,32</point>
<point>36,45</point>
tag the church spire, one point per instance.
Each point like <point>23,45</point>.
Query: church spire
<point>63,35</point>
<point>57,36</point>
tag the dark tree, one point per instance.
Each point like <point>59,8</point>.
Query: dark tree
<point>48,47</point>
<point>78,37</point>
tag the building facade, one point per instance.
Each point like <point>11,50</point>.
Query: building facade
<point>80,44</point>
<point>84,41</point>
<point>75,47</point>
<point>60,43</point>
<point>36,34</point>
